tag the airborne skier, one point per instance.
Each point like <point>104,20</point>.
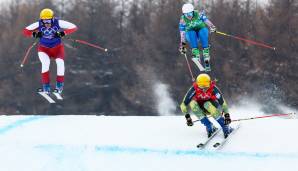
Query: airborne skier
<point>204,98</point>
<point>50,30</point>
<point>193,28</point>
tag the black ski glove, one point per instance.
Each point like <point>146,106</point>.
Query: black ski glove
<point>227,119</point>
<point>60,34</point>
<point>188,120</point>
<point>182,48</point>
<point>37,34</point>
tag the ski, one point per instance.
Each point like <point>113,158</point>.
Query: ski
<point>219,144</point>
<point>58,95</point>
<point>46,96</point>
<point>197,62</point>
<point>203,144</point>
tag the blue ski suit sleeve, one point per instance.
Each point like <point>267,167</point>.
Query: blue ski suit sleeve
<point>189,95</point>
<point>220,100</point>
<point>182,25</point>
<point>203,16</point>
<point>218,95</point>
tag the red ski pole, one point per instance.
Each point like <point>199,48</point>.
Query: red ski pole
<point>27,53</point>
<point>267,116</point>
<point>89,44</point>
<point>260,117</point>
<point>189,68</point>
<point>246,40</point>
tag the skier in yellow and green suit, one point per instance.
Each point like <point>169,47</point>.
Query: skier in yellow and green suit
<point>204,98</point>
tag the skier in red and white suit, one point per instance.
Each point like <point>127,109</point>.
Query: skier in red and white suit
<point>50,30</point>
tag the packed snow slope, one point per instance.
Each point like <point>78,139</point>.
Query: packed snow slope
<point>131,143</point>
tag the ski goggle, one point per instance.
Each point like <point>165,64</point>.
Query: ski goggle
<point>189,14</point>
<point>47,21</point>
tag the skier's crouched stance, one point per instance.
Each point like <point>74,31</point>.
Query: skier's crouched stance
<point>50,30</point>
<point>204,98</point>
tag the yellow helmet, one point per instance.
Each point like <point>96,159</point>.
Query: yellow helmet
<point>46,14</point>
<point>203,81</point>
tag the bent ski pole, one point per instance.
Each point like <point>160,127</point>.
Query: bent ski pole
<point>267,116</point>
<point>27,53</point>
<point>189,68</point>
<point>246,40</point>
<point>89,44</point>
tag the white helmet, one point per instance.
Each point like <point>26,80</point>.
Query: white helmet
<point>186,8</point>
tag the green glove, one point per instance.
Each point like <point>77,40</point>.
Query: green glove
<point>183,108</point>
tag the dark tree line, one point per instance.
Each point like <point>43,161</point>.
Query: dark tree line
<point>143,40</point>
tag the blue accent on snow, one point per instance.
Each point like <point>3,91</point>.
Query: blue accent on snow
<point>168,152</point>
<point>19,123</point>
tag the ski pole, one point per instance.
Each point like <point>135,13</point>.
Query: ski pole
<point>246,40</point>
<point>89,44</point>
<point>258,117</point>
<point>267,116</point>
<point>27,53</point>
<point>189,68</point>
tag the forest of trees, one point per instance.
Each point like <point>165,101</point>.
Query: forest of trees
<point>143,39</point>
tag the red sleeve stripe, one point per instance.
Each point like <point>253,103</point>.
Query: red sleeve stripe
<point>29,29</point>
<point>27,32</point>
<point>69,31</point>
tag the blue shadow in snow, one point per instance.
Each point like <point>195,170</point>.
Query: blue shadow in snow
<point>19,123</point>
<point>169,152</point>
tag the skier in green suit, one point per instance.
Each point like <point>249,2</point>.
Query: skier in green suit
<point>193,27</point>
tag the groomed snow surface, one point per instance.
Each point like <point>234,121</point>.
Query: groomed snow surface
<point>164,143</point>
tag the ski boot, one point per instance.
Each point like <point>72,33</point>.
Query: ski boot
<point>59,87</point>
<point>209,126</point>
<point>196,54</point>
<point>206,59</point>
<point>226,128</point>
<point>46,88</point>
